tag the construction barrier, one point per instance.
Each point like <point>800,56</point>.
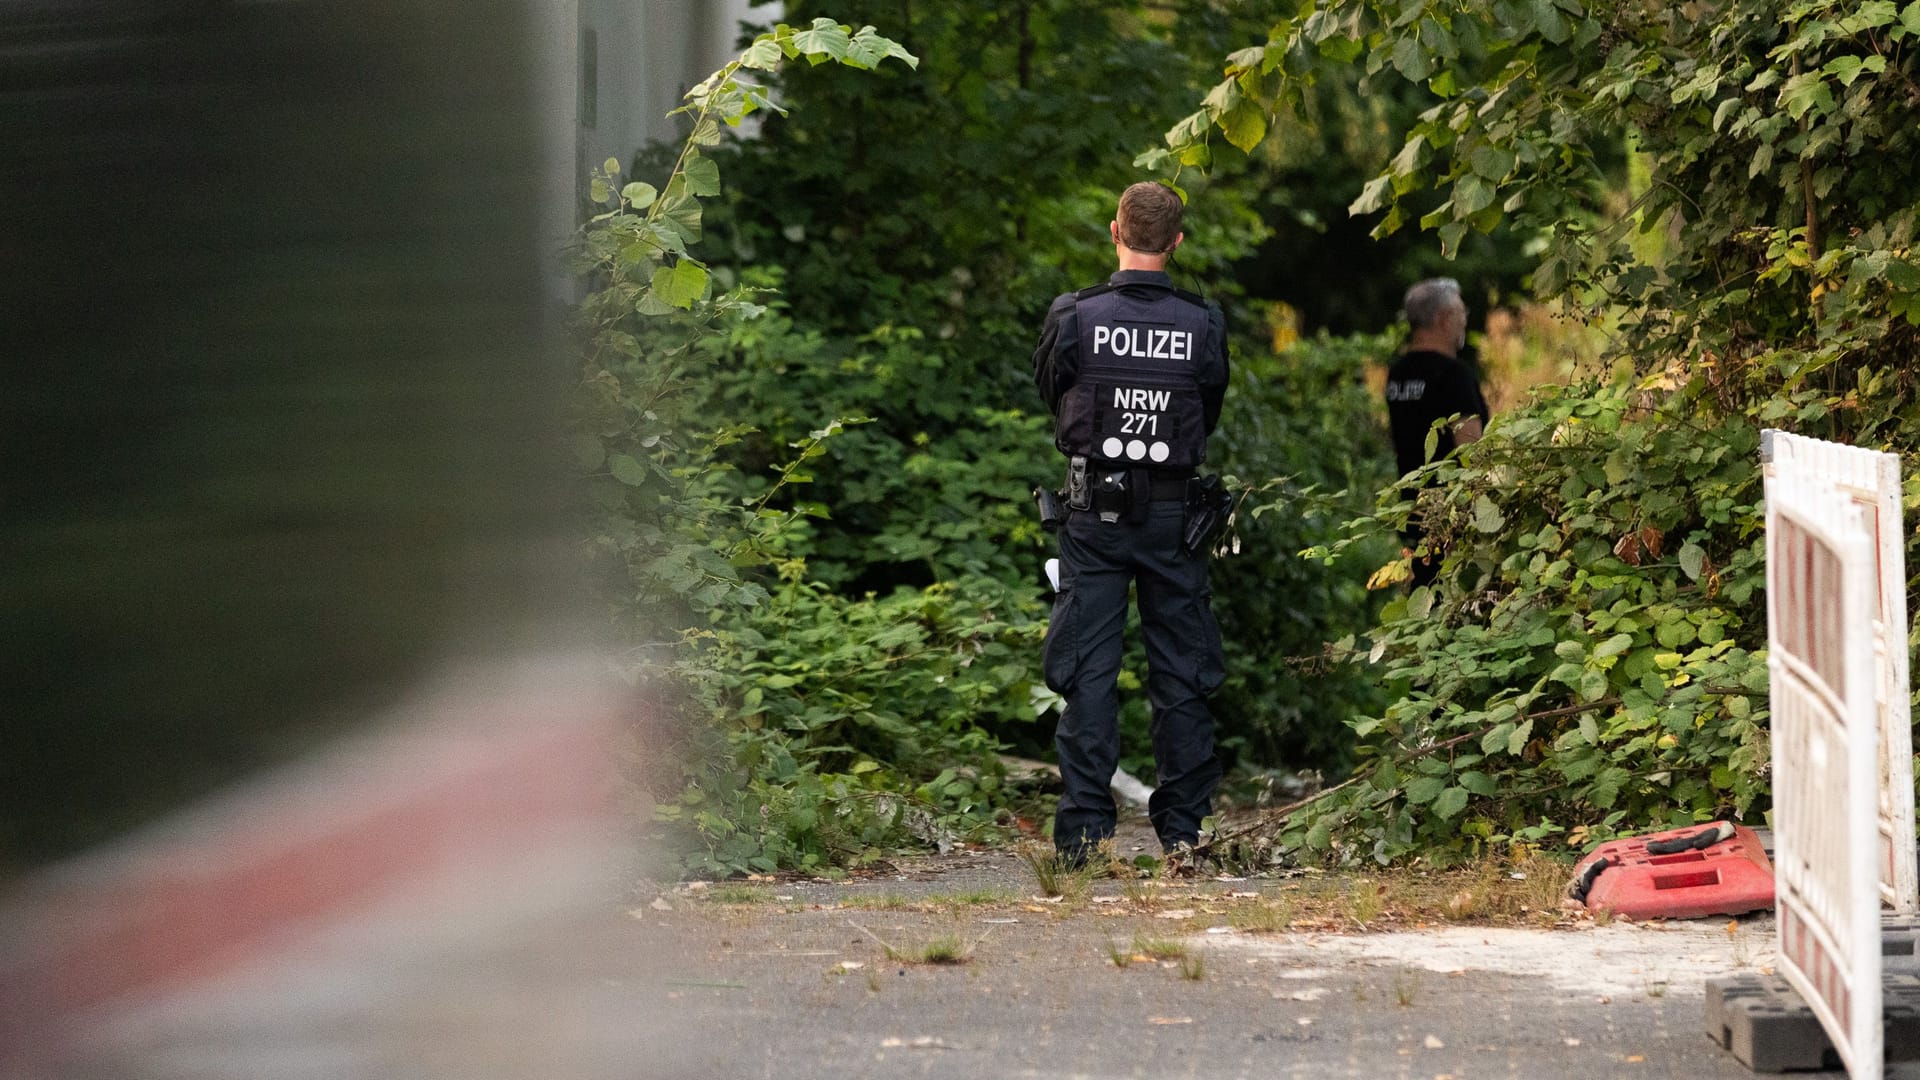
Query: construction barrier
<point>1667,875</point>
<point>1820,608</point>
<point>1872,481</point>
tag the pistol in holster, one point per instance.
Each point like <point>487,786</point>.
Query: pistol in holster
<point>1209,504</point>
<point>1053,512</point>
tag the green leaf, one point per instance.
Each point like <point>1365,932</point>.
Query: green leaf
<point>626,470</point>
<point>1492,162</point>
<point>679,213</point>
<point>599,191</point>
<point>611,166</point>
<point>1550,22</point>
<point>703,176</point>
<point>1496,739</point>
<point>1375,195</point>
<point>1517,742</point>
<point>1593,685</point>
<point>1425,789</point>
<point>1487,517</point>
<point>825,40</point>
<point>1692,560</point>
<point>1471,194</point>
<point>1590,729</point>
<point>1411,60</point>
<point>1245,125</point>
<point>763,55</point>
<point>680,284</point>
<point>639,196</point>
<point>1451,802</point>
<point>1614,646</point>
<point>1479,783</point>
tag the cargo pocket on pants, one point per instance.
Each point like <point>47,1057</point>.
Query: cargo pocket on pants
<point>1060,654</point>
<point>1210,667</point>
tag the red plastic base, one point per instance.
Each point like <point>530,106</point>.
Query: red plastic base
<point>1729,878</point>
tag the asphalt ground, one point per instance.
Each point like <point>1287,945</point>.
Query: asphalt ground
<point>792,978</point>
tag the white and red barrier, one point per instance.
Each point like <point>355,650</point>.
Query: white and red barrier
<point>1871,480</point>
<point>1821,584</point>
<point>483,805</point>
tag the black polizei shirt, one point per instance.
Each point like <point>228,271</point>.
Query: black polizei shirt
<point>1057,360</point>
<point>1424,386</point>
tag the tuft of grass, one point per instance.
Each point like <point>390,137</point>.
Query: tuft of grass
<point>738,894</point>
<point>1192,968</point>
<point>1054,875</point>
<point>879,902</point>
<point>1139,891</point>
<point>1159,948</point>
<point>1406,987</point>
<point>1262,916</point>
<point>977,898</point>
<point>1122,958</point>
<point>945,950</point>
<point>1365,901</point>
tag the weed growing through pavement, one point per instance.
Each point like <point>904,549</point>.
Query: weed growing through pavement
<point>1406,987</point>
<point>878,902</point>
<point>1121,958</point>
<point>1055,876</point>
<point>1192,968</point>
<point>1657,988</point>
<point>1364,902</point>
<point>1159,948</point>
<point>947,949</point>
<point>1262,916</point>
<point>1742,955</point>
<point>738,894</point>
<point>944,950</point>
<point>1138,891</point>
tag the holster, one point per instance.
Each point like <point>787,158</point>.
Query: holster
<point>1053,511</point>
<point>1208,505</point>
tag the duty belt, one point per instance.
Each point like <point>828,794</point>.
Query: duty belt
<point>1159,488</point>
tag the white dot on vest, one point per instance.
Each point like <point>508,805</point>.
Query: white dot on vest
<point>1136,450</point>
<point>1158,451</point>
<point>1112,448</point>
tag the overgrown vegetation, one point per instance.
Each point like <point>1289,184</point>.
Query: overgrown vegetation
<point>808,416</point>
<point>1592,657</point>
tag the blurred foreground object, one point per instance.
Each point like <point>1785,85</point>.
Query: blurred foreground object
<point>280,511</point>
<point>411,903</point>
<point>278,420</point>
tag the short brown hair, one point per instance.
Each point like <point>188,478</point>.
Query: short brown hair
<point>1149,217</point>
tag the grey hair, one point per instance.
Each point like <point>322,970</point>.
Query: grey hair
<point>1428,300</point>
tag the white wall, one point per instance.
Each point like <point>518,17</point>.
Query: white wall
<point>647,54</point>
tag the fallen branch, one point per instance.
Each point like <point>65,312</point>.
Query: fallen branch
<point>1273,816</point>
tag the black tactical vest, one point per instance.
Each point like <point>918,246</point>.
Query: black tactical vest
<point>1136,401</point>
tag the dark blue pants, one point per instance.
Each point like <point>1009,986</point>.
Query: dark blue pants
<point>1098,561</point>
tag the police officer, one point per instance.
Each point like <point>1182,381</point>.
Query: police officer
<point>1134,372</point>
<point>1428,382</point>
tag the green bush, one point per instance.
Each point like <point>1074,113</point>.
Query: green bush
<point>841,728</point>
